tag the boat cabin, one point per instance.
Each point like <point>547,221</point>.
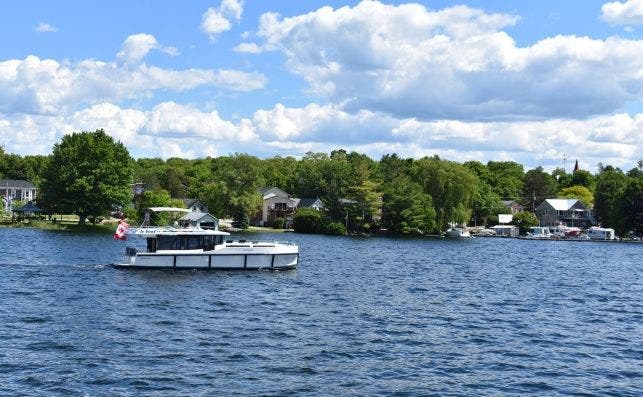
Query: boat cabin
<point>173,242</point>
<point>601,233</point>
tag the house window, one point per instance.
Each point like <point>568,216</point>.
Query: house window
<point>281,206</point>
<point>13,193</point>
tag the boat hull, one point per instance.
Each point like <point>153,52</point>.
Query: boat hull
<point>239,258</point>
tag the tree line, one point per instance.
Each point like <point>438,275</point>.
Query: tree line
<point>90,174</point>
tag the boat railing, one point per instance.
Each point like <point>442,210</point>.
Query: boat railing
<point>246,243</point>
<point>161,229</point>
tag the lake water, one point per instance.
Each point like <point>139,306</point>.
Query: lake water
<point>360,316</point>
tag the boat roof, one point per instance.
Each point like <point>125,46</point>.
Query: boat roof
<point>168,209</point>
<point>151,231</point>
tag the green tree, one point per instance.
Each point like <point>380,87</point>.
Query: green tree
<point>308,220</point>
<point>610,185</point>
<point>451,186</point>
<point>88,174</point>
<point>506,179</point>
<point>630,208</point>
<point>157,198</point>
<point>578,192</point>
<point>539,185</point>
<point>406,208</point>
<point>583,178</point>
<point>524,220</point>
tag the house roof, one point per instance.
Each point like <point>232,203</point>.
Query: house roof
<point>196,216</point>
<point>15,183</point>
<point>273,191</point>
<point>562,204</point>
<point>309,202</point>
<point>190,202</point>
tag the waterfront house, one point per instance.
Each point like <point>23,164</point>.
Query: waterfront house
<point>195,205</point>
<point>570,212</point>
<point>18,189</point>
<point>276,204</point>
<point>313,203</point>
<point>200,219</point>
<point>513,205</point>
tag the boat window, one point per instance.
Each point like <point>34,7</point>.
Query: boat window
<point>151,244</point>
<point>194,242</point>
<point>168,243</point>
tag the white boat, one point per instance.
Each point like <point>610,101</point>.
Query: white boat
<point>600,233</point>
<point>567,232</point>
<point>539,233</point>
<point>193,247</point>
<point>455,231</point>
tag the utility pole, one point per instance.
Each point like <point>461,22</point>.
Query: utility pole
<point>533,203</point>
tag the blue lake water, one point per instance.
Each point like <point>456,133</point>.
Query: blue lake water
<point>360,316</point>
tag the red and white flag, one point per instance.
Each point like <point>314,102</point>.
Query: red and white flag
<point>121,229</point>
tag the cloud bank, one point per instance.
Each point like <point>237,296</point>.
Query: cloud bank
<point>174,130</point>
<point>629,12</point>
<point>46,86</point>
<point>378,78</point>
<point>455,63</point>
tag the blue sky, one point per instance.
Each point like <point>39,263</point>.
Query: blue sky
<point>526,81</point>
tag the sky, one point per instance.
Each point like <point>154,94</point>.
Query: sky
<point>542,83</point>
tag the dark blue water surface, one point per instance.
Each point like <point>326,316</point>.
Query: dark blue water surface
<point>360,316</point>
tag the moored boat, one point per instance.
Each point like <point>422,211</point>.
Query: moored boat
<point>600,233</point>
<point>539,233</point>
<point>460,232</point>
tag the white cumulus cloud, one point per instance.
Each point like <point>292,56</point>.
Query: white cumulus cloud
<point>46,86</point>
<point>170,129</point>
<point>455,63</point>
<point>137,46</point>
<point>44,27</point>
<point>216,20</point>
<point>629,12</point>
<point>250,48</point>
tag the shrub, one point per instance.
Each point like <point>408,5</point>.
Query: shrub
<point>308,220</point>
<point>335,228</point>
<point>240,219</point>
<point>279,223</point>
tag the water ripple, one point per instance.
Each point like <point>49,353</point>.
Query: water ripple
<point>367,317</point>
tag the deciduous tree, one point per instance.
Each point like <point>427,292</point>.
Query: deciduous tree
<point>88,173</point>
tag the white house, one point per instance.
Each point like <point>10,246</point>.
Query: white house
<point>276,204</point>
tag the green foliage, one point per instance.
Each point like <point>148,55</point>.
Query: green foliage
<point>279,223</point>
<point>578,192</point>
<point>451,187</point>
<point>88,173</point>
<point>610,186</point>
<point>240,219</point>
<point>335,228</point>
<point>524,220</point>
<point>402,195</point>
<point>583,178</point>
<point>630,208</point>
<point>537,186</point>
<point>506,179</point>
<point>407,209</point>
<point>308,220</point>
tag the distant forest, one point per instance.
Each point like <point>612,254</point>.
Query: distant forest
<point>402,195</point>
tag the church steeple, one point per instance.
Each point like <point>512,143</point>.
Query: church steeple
<point>576,167</point>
